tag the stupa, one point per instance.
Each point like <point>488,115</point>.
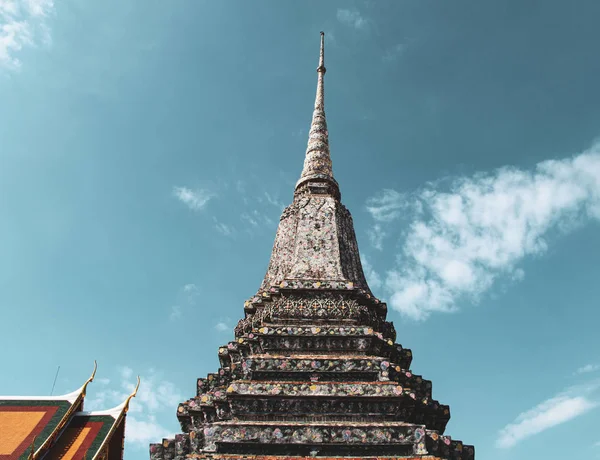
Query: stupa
<point>314,370</point>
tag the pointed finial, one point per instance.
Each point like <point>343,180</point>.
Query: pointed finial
<point>132,395</point>
<point>91,379</point>
<point>32,453</point>
<point>317,163</point>
<point>321,67</point>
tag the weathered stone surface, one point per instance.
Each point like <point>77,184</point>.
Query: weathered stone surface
<point>315,242</point>
<point>314,370</point>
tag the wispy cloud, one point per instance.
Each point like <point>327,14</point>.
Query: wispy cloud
<point>126,373</point>
<point>240,187</point>
<point>156,396</point>
<point>23,23</point>
<point>224,229</point>
<point>194,199</point>
<point>300,132</point>
<point>175,313</point>
<point>588,368</point>
<point>275,201</point>
<point>387,205</point>
<point>143,431</point>
<point>256,218</point>
<point>260,216</point>
<point>394,52</point>
<point>373,278</point>
<point>460,241</point>
<point>250,219</point>
<point>224,325</point>
<point>190,292</point>
<point>352,18</point>
<point>331,40</point>
<point>376,235</point>
<point>559,409</point>
<point>186,296</point>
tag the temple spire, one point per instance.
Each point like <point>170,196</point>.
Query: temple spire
<point>321,67</point>
<point>317,164</point>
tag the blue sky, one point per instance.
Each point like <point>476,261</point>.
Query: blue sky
<point>148,148</point>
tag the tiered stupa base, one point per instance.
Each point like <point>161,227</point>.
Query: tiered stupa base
<point>313,373</point>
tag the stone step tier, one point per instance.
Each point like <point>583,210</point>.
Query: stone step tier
<point>315,339</point>
<point>353,408</point>
<point>315,368</point>
<point>288,440</point>
<point>273,409</point>
<point>321,306</point>
<point>258,400</point>
<point>312,289</point>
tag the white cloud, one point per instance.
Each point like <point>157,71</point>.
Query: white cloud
<point>387,206</point>
<point>38,8</point>
<point>554,411</point>
<point>373,278</point>
<point>257,212</point>
<point>330,37</point>
<point>548,414</point>
<point>22,23</point>
<point>175,313</point>
<point>256,218</point>
<point>156,396</point>
<point>223,325</point>
<point>268,221</point>
<point>143,432</point>
<point>376,235</point>
<point>100,400</point>
<point>394,52</point>
<point>224,229</point>
<point>9,7</point>
<point>274,201</point>
<point>588,368</point>
<point>194,199</point>
<point>240,186</point>
<point>190,293</point>
<point>351,18</point>
<point>460,241</point>
<point>249,219</point>
<point>186,296</point>
<point>191,287</point>
<point>126,373</point>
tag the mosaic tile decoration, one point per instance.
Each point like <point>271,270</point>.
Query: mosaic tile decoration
<point>314,370</point>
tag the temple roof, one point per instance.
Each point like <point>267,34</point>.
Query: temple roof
<point>55,427</point>
<point>90,432</point>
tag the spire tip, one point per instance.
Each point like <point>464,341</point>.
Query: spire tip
<point>321,67</point>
